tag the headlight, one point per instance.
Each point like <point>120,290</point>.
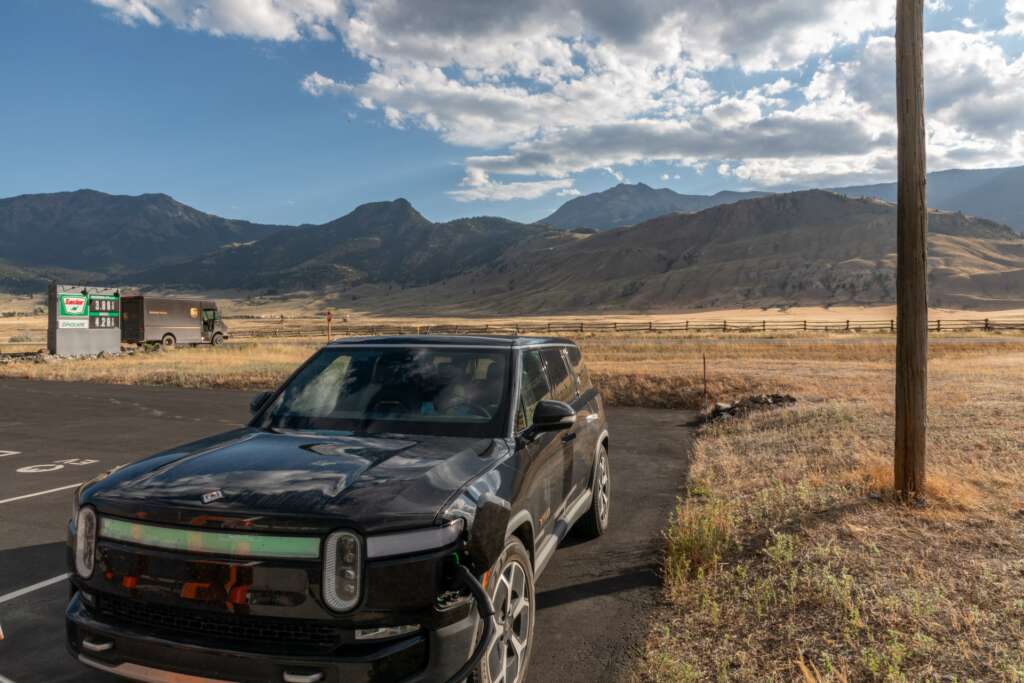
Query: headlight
<point>85,542</point>
<point>343,565</point>
<point>418,541</point>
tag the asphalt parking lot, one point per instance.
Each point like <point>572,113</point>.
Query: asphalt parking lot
<point>593,600</point>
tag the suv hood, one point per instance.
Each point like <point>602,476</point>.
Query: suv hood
<point>258,480</point>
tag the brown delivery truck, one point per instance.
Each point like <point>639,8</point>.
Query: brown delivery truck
<point>149,319</point>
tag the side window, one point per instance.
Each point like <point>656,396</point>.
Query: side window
<point>562,388</point>
<point>533,388</point>
<point>583,384</point>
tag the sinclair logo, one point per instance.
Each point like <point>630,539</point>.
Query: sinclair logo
<point>73,304</point>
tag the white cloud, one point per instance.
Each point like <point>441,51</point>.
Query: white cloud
<point>131,11</point>
<point>544,89</point>
<point>316,84</point>
<point>974,98</point>
<point>260,19</point>
<point>477,186</point>
<point>615,174</point>
<point>1014,17</point>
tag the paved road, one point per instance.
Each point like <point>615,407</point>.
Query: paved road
<point>592,600</point>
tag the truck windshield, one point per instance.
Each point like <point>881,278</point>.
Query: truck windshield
<point>408,390</point>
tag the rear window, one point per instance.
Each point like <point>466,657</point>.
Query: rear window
<point>579,369</point>
<point>562,388</point>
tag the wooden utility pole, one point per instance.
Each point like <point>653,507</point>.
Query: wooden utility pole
<point>912,255</point>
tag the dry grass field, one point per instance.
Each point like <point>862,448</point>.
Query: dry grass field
<point>789,560</point>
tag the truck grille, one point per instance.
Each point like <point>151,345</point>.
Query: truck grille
<point>256,630</point>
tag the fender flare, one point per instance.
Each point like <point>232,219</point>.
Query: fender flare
<point>517,520</point>
<point>597,449</point>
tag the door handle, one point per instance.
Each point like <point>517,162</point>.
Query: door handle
<point>568,437</point>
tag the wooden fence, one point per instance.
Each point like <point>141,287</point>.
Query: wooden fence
<point>307,328</point>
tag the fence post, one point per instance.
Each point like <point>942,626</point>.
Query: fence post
<point>847,325</point>
<point>892,325</point>
<point>581,328</point>
<point>986,324</point>
<point>704,357</point>
<point>686,324</point>
<point>615,327</point>
<point>650,326</point>
<point>764,326</point>
<point>938,325</point>
<point>805,326</point>
<point>725,326</point>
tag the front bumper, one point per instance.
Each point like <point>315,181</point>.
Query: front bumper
<point>146,655</point>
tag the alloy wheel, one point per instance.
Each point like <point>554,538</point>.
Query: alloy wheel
<point>604,489</point>
<point>513,595</point>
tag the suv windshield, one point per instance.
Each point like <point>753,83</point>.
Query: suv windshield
<point>407,390</point>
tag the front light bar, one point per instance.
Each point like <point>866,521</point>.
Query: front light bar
<point>232,544</point>
<point>409,542</point>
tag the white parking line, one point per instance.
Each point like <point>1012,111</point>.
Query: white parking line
<point>39,493</point>
<point>4,454</point>
<point>34,587</point>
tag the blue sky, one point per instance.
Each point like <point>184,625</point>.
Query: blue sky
<point>292,111</point>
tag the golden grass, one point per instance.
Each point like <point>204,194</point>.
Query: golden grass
<point>790,559</point>
<point>231,366</point>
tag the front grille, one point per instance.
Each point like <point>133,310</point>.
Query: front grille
<point>249,629</point>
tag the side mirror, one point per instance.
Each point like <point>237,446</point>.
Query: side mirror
<point>258,401</point>
<point>553,416</point>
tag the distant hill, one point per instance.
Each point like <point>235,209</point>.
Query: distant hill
<point>93,231</point>
<point>996,194</point>
<point>806,248</point>
<point>382,242</point>
<point>625,204</point>
<point>803,248</point>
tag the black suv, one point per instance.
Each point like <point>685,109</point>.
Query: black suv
<point>383,517</point>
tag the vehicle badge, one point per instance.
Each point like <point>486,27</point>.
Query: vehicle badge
<point>212,496</point>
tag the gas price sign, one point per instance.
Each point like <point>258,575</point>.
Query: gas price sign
<point>104,312</point>
<point>84,320</point>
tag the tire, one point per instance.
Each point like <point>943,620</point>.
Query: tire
<point>168,341</point>
<point>595,522</point>
<point>218,339</point>
<point>511,588</point>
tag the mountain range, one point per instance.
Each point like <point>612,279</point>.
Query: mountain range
<point>811,247</point>
<point>996,193</point>
<point>382,242</point>
<point>626,204</point>
<point>804,248</point>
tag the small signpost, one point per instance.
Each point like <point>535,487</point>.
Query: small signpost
<point>83,320</point>
<point>330,318</point>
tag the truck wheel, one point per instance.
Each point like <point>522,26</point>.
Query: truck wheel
<point>511,587</point>
<point>595,522</point>
<point>218,339</point>
<point>168,341</point>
